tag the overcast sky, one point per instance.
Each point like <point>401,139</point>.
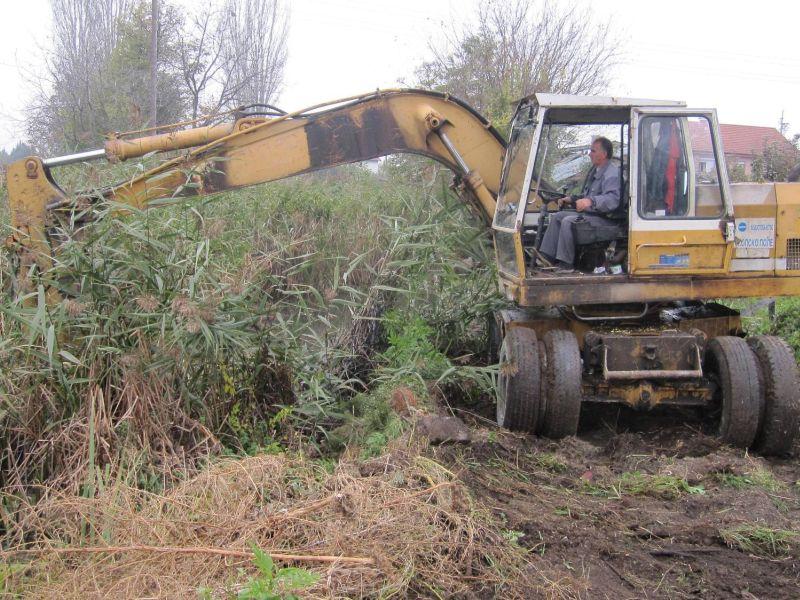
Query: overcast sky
<point>742,58</point>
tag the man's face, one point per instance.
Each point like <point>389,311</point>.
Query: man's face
<point>598,155</point>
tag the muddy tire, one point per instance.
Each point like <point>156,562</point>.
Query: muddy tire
<point>781,391</point>
<point>518,381</point>
<point>734,367</point>
<point>561,385</point>
<point>494,337</point>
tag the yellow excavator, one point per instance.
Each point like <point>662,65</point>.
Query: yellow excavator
<point>635,324</point>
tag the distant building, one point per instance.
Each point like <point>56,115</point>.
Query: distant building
<point>742,144</point>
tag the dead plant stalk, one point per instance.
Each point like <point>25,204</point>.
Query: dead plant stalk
<point>353,560</point>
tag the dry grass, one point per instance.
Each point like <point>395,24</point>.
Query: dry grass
<point>408,514</point>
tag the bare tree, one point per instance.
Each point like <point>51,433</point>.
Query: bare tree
<point>518,47</point>
<point>205,62</point>
<point>200,59</point>
<point>232,55</point>
<point>154,25</point>
<point>97,72</point>
<point>84,36</point>
<point>254,50</point>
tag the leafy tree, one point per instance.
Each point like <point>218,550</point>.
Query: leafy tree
<point>519,47</point>
<point>736,172</point>
<point>209,57</point>
<point>775,162</point>
<point>21,150</point>
<point>129,68</point>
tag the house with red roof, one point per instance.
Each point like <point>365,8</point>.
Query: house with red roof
<point>742,144</point>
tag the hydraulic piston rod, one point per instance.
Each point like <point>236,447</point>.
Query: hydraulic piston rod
<point>117,149</point>
<point>60,161</point>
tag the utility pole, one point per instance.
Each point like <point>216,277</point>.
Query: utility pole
<point>154,64</point>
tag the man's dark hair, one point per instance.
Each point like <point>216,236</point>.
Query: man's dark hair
<point>606,144</point>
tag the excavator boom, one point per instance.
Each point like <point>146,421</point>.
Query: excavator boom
<point>255,150</point>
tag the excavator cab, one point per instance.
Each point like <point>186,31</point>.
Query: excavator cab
<point>675,217</point>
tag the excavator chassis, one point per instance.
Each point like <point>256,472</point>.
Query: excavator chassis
<point>688,354</point>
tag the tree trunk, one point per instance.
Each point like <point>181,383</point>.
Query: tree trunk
<point>154,65</point>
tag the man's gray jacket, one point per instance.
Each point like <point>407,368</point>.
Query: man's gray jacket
<point>602,188</point>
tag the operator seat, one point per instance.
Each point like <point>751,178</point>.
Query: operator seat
<point>594,241</point>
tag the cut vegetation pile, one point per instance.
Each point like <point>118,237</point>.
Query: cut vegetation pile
<point>402,525</point>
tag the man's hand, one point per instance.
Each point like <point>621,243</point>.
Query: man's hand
<point>583,204</point>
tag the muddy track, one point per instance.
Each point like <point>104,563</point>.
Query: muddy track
<point>640,510</point>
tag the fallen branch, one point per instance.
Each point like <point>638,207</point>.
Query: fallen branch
<point>354,560</point>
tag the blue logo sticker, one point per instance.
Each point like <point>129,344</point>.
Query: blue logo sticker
<point>743,226</point>
<point>673,260</point>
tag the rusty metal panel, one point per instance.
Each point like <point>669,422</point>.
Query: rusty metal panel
<point>644,395</point>
<point>585,290</point>
<point>353,136</point>
<point>665,356</point>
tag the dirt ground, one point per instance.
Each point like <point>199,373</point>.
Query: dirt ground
<point>640,507</point>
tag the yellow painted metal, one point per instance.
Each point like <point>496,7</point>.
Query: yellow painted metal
<point>29,192</point>
<point>705,252</point>
<point>256,150</point>
<point>261,150</point>
<point>787,229</point>
<point>123,149</point>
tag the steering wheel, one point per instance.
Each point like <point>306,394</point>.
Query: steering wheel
<point>547,194</point>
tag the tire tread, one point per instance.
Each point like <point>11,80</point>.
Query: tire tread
<point>781,389</point>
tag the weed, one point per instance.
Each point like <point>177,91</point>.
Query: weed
<point>550,462</point>
<point>758,478</point>
<point>761,541</point>
<point>513,536</point>
<point>567,511</point>
<point>273,583</point>
<point>411,343</point>
<point>662,486</point>
<point>370,421</point>
<point>639,484</point>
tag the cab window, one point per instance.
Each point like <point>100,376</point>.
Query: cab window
<point>514,169</point>
<point>678,174</point>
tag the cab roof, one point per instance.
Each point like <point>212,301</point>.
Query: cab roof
<point>568,109</point>
<point>570,100</point>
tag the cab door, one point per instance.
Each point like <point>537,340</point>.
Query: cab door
<point>681,217</point>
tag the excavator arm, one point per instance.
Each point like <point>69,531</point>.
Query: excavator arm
<point>253,150</point>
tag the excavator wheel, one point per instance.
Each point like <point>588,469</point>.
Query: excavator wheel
<point>561,387</point>
<point>518,382</point>
<point>781,389</point>
<point>735,368</point>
